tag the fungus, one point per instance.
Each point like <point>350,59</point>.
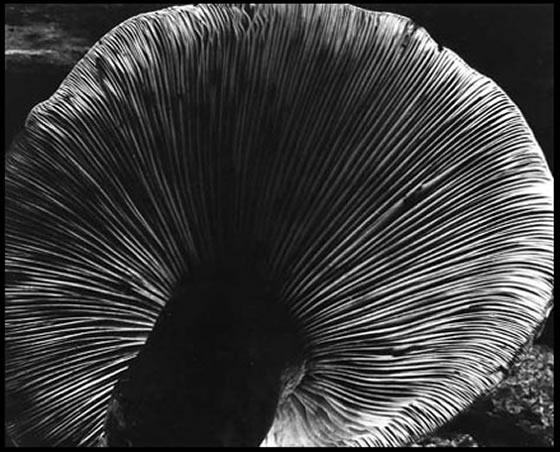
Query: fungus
<point>276,224</point>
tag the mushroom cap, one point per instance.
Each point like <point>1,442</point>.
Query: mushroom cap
<point>396,197</point>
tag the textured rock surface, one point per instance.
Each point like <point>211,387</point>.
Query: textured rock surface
<point>519,412</point>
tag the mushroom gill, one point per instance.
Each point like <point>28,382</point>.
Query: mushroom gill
<point>277,224</point>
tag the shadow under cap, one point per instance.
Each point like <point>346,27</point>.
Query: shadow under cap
<point>222,354</point>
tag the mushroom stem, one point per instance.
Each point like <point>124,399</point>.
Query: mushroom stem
<point>213,370</point>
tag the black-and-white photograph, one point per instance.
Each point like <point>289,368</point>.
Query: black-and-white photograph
<point>278,225</point>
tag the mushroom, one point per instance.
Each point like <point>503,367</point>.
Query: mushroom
<point>277,224</point>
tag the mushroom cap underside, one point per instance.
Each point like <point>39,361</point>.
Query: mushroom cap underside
<point>396,197</point>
